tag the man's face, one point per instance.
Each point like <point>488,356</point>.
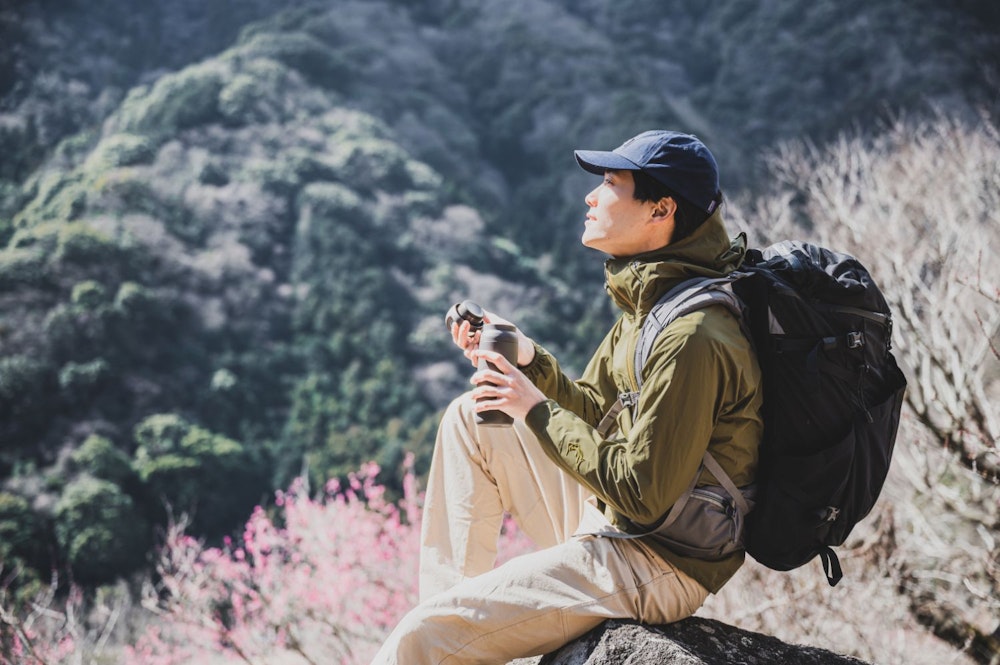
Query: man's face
<point>617,223</point>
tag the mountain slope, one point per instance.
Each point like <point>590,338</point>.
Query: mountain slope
<point>229,232</point>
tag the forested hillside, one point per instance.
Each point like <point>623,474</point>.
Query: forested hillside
<point>229,230</point>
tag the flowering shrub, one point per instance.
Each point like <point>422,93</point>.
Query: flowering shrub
<point>38,634</point>
<point>21,647</point>
<point>319,580</point>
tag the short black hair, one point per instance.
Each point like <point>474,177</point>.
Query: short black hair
<point>688,216</point>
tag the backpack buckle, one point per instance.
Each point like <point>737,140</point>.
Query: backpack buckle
<point>628,400</point>
<point>855,340</point>
<point>829,514</point>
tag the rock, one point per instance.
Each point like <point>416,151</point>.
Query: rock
<point>693,641</point>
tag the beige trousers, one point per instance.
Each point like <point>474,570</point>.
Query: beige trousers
<point>471,612</point>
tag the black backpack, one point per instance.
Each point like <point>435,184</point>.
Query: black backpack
<point>832,393</point>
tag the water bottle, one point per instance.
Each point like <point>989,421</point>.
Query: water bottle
<point>502,338</point>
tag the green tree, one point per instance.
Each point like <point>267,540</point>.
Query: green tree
<point>26,386</point>
<point>98,457</point>
<point>193,470</point>
<point>24,551</point>
<point>99,530</point>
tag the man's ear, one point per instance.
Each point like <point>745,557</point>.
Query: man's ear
<point>665,207</point>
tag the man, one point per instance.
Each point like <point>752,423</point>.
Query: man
<point>573,491</point>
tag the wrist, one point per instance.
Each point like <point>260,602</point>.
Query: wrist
<point>525,350</point>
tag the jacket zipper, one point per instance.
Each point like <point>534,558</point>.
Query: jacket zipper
<point>630,399</point>
<point>634,342</point>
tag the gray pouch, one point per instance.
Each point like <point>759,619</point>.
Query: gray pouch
<point>709,525</point>
<point>705,522</point>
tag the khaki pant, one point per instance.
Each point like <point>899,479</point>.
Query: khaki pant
<point>470,612</point>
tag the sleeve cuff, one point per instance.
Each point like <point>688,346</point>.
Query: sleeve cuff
<point>538,417</point>
<point>539,366</point>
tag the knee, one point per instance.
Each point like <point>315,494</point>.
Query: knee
<point>414,639</point>
<point>461,410</point>
<point>407,634</point>
<point>458,424</point>
<point>458,432</point>
<point>457,435</point>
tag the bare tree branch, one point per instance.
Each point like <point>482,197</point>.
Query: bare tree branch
<point>919,205</point>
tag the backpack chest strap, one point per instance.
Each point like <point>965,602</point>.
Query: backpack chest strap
<point>608,422</point>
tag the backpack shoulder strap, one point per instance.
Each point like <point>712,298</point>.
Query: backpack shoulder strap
<point>687,297</point>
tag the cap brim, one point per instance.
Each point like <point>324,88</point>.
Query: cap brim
<point>599,161</point>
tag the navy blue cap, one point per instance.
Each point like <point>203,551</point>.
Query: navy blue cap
<point>679,161</point>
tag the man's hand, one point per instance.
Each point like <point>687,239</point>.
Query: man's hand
<point>469,343</point>
<point>512,392</point>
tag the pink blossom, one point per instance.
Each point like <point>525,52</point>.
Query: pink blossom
<point>325,577</point>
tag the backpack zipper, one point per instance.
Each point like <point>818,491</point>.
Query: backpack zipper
<point>711,497</point>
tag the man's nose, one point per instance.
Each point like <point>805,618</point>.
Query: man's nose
<point>591,198</point>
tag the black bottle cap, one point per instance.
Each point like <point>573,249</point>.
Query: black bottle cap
<point>471,312</point>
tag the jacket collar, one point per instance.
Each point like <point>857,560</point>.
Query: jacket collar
<point>635,283</point>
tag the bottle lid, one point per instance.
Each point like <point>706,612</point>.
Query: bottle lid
<point>471,312</point>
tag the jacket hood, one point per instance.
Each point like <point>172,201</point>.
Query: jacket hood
<point>635,283</point>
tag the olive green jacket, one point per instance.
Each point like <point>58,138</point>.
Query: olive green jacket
<point>701,389</point>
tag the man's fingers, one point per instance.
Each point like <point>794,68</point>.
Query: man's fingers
<point>463,335</point>
<point>491,377</point>
<point>488,393</point>
<point>502,364</point>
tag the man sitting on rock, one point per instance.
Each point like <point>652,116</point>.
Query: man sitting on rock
<point>586,495</point>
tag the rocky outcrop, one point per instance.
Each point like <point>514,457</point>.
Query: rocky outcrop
<point>693,641</point>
